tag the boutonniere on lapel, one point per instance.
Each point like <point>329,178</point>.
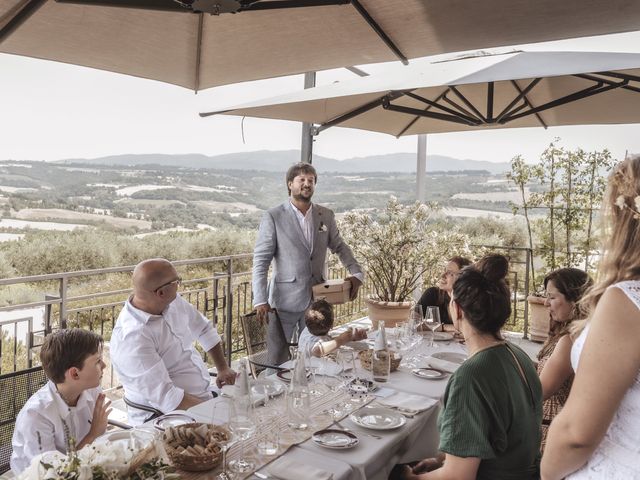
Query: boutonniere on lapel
<point>323,227</point>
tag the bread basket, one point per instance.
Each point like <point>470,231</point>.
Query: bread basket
<point>195,447</point>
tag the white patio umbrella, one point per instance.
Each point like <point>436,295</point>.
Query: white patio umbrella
<point>173,41</point>
<point>497,90</point>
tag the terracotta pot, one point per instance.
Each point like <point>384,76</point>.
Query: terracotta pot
<point>539,319</point>
<point>391,313</point>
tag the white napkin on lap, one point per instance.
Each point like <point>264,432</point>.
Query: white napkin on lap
<point>288,469</point>
<point>408,401</point>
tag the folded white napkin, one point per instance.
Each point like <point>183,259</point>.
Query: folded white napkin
<point>443,364</point>
<point>408,401</point>
<point>288,469</point>
<point>325,366</point>
<point>229,391</point>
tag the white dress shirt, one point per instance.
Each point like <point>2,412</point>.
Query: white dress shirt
<point>40,424</point>
<point>306,224</point>
<point>155,359</point>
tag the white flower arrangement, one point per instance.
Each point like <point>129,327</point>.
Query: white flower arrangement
<point>101,461</point>
<point>621,203</point>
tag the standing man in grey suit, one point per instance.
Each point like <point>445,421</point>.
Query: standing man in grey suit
<point>295,236</point>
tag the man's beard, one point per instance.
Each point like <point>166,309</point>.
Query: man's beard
<point>301,198</point>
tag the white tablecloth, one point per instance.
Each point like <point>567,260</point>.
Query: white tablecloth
<point>374,458</point>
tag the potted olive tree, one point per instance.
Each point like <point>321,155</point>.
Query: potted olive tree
<point>397,248</point>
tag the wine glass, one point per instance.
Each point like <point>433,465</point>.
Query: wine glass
<point>242,425</point>
<point>432,320</point>
<point>225,444</point>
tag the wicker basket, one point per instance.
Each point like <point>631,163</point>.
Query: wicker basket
<point>195,447</point>
<point>365,359</point>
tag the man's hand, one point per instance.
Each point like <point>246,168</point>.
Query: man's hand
<point>262,312</point>
<point>355,286</point>
<point>100,418</point>
<point>226,376</point>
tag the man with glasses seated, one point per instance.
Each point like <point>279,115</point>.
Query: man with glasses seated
<point>152,346</point>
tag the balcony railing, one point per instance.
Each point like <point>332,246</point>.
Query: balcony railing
<point>219,287</point>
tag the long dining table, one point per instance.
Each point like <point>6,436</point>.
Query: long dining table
<point>377,451</point>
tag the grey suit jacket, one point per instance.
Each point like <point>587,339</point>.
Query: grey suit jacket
<point>295,268</point>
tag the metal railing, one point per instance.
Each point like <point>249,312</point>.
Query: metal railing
<point>219,287</point>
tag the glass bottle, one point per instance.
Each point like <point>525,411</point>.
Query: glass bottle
<point>381,358</point>
<point>298,403</point>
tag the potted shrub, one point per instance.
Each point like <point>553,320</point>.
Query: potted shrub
<point>396,248</point>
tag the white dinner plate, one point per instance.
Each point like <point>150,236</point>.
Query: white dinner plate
<point>429,373</point>
<point>442,336</point>
<point>336,439</point>
<point>142,437</point>
<point>378,418</point>
<point>453,357</point>
<point>172,420</point>
<point>273,388</point>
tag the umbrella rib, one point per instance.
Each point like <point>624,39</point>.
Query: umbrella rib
<point>417,117</point>
<point>423,113</point>
<point>461,108</point>
<point>585,93</point>
<point>19,18</point>
<point>379,31</point>
<point>521,95</point>
<point>467,103</point>
<point>526,103</point>
<point>196,83</point>
<point>357,111</point>
<point>442,107</point>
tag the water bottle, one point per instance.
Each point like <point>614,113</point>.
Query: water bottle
<point>298,404</point>
<point>381,358</point>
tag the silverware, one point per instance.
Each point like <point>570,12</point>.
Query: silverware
<point>377,437</point>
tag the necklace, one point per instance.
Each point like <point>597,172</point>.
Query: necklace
<point>64,399</point>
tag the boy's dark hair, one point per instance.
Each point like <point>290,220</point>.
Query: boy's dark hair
<point>67,348</point>
<point>319,317</point>
<point>482,293</point>
<point>297,169</point>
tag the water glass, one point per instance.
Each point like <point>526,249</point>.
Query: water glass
<point>268,436</point>
<point>242,425</point>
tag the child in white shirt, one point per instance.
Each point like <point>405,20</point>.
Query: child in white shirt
<point>315,338</point>
<point>70,411</point>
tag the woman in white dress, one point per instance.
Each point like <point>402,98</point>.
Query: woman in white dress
<point>597,433</point>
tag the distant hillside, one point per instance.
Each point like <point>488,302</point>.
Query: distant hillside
<point>280,160</point>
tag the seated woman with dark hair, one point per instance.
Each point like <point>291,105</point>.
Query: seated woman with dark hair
<point>439,296</point>
<point>492,407</point>
<point>565,287</point>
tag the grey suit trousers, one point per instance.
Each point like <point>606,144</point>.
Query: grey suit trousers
<point>279,332</point>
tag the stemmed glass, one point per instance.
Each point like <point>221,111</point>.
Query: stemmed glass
<point>224,444</point>
<point>432,320</point>
<point>242,425</point>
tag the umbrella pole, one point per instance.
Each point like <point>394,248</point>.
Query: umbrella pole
<point>421,169</point>
<point>306,148</point>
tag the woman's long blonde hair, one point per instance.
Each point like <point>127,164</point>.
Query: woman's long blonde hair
<point>621,231</point>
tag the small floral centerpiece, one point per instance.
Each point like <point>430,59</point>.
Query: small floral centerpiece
<point>101,461</point>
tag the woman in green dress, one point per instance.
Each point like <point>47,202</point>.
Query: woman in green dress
<point>492,407</point>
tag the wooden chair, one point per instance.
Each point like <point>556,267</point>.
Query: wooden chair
<point>16,388</point>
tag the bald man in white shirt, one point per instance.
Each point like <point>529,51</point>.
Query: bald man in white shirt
<point>152,345</point>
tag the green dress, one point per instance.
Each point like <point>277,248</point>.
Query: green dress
<point>491,413</point>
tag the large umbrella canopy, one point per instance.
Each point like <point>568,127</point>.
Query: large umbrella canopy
<point>497,90</point>
<point>167,41</point>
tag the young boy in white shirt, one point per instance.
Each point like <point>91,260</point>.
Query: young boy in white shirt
<point>315,338</point>
<point>70,408</point>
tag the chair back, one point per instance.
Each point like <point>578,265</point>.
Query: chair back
<point>255,340</point>
<point>16,388</point>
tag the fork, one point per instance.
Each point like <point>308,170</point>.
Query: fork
<point>377,437</point>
